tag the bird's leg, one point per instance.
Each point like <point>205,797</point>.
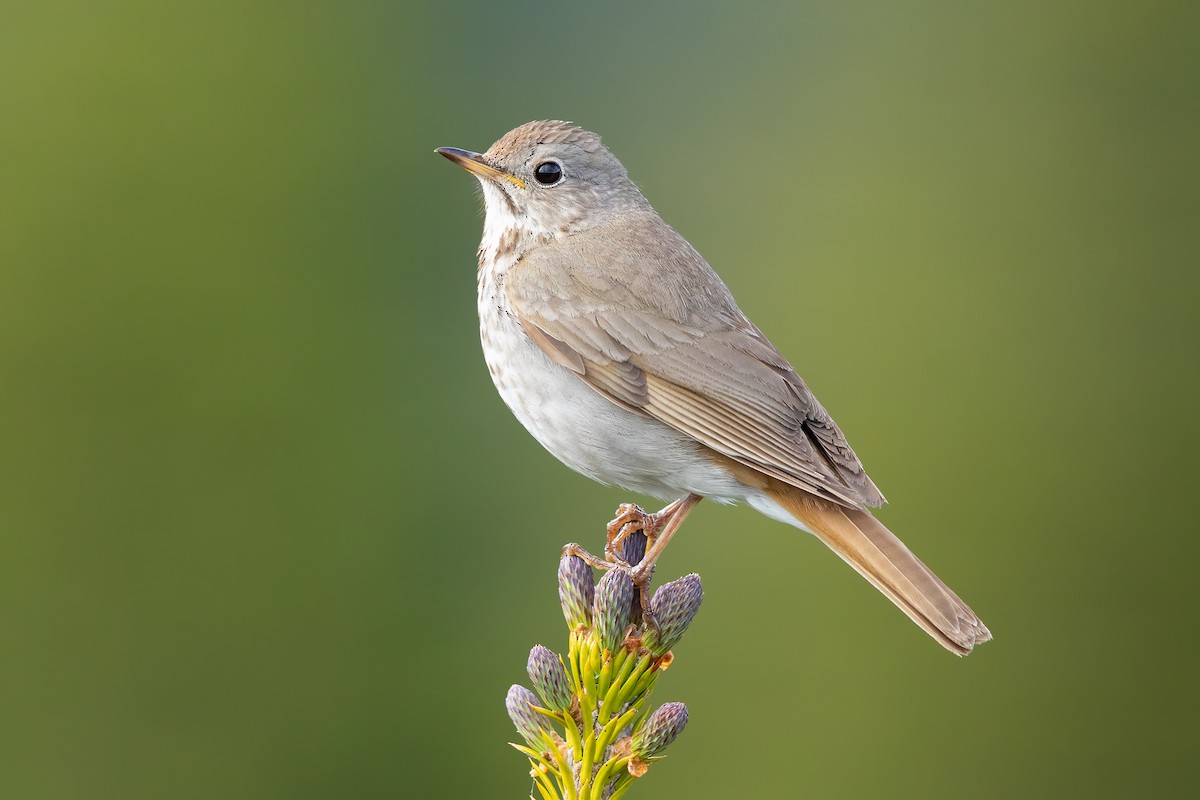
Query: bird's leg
<point>662,524</point>
<point>658,535</point>
<point>658,527</point>
<point>629,520</point>
<point>595,562</point>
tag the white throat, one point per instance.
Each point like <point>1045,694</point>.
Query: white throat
<point>505,230</point>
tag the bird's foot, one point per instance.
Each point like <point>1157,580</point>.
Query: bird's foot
<point>595,562</point>
<point>620,550</point>
<point>630,519</point>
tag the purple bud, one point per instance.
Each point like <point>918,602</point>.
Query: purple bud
<point>614,596</point>
<point>576,590</point>
<point>633,548</point>
<point>673,608</point>
<point>659,730</point>
<point>528,722</point>
<point>549,678</point>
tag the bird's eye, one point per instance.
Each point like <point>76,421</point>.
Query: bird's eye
<point>548,173</point>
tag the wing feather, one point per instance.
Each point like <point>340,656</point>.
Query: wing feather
<point>668,340</point>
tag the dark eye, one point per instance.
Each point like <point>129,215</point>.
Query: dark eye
<point>548,173</point>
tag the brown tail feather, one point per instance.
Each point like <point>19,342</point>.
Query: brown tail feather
<point>865,544</point>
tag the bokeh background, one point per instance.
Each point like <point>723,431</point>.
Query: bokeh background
<point>266,531</point>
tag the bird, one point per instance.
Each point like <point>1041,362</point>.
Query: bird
<point>622,352</point>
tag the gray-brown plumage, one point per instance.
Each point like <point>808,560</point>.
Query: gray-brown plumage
<point>624,354</point>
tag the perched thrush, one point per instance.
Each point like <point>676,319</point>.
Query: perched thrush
<point>622,352</point>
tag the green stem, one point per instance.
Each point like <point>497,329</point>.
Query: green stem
<point>611,730</point>
<point>622,785</point>
<point>615,696</point>
<point>588,747</point>
<point>573,662</point>
<point>610,766</point>
<point>645,682</point>
<point>643,664</point>
<point>544,787</point>
<point>606,671</point>
<point>565,779</point>
<point>587,688</point>
<point>619,660</point>
<point>534,756</point>
<point>572,731</point>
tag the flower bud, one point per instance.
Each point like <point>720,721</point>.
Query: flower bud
<point>614,597</point>
<point>549,678</point>
<point>529,722</point>
<point>633,548</point>
<point>673,608</point>
<point>659,730</point>
<point>576,590</point>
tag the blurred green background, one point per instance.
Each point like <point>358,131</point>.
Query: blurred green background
<point>266,531</point>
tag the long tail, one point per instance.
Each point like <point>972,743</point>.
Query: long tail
<point>865,544</point>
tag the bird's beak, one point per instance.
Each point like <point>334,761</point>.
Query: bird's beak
<point>473,162</point>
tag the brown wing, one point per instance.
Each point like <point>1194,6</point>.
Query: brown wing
<point>665,338</point>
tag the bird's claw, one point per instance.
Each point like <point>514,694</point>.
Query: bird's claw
<point>595,562</point>
<point>629,520</point>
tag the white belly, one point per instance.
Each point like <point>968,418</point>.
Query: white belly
<point>588,433</point>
